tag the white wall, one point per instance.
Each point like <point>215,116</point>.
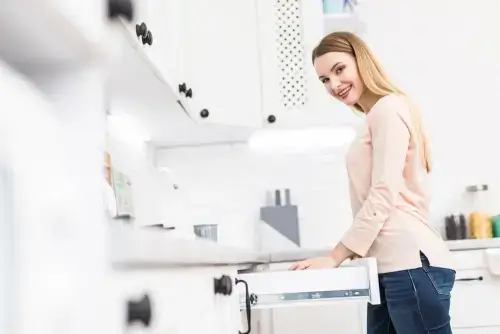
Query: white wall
<point>136,161</point>
<point>227,185</point>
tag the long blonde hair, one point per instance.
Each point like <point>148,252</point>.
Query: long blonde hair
<point>374,79</point>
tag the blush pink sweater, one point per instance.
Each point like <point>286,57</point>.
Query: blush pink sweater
<point>388,196</point>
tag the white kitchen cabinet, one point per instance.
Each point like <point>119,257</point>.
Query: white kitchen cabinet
<point>334,298</point>
<point>474,301</point>
<point>181,272</point>
<point>293,96</point>
<point>473,289</point>
<point>165,21</point>
<point>161,21</point>
<point>183,300</point>
<point>251,66</point>
<point>141,15</point>
<point>222,61</point>
<point>228,316</point>
<point>56,118</point>
<point>180,299</point>
<point>236,66</point>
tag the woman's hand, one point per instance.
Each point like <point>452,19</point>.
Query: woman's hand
<point>315,263</point>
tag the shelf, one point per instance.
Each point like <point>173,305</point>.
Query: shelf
<point>343,22</point>
<point>35,33</point>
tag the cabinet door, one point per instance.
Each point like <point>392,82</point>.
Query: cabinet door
<point>165,22</point>
<point>320,319</point>
<point>179,300</point>
<point>222,61</point>
<point>140,16</point>
<point>473,288</point>
<point>227,306</point>
<point>292,93</point>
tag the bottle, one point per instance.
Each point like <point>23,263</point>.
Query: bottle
<point>462,227</point>
<point>480,225</point>
<point>450,227</point>
<point>495,220</point>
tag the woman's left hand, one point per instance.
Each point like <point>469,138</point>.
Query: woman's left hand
<point>315,263</point>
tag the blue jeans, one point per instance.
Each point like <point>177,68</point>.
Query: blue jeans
<point>415,301</point>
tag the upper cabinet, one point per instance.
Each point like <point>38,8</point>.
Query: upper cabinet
<point>222,61</point>
<point>293,95</point>
<point>239,64</point>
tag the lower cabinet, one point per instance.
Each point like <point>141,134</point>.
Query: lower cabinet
<point>340,317</point>
<point>269,299</point>
<point>223,300</point>
<point>316,301</point>
<point>173,300</point>
<point>475,300</point>
<point>475,297</point>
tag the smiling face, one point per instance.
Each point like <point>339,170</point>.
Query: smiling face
<point>339,74</point>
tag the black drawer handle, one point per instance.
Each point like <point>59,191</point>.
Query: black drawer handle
<point>248,306</point>
<point>223,285</point>
<point>141,30</point>
<point>148,39</point>
<point>468,279</point>
<point>182,87</point>
<point>139,311</point>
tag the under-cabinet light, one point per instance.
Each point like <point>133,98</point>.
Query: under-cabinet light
<point>301,140</point>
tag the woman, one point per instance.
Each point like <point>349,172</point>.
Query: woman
<point>387,166</point>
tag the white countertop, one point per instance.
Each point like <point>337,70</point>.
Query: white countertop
<point>152,247</point>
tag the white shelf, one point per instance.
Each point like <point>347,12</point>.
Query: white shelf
<point>48,32</point>
<point>343,22</point>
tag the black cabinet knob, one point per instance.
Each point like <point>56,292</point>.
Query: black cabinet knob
<point>223,285</point>
<point>141,30</point>
<point>148,39</point>
<point>182,87</point>
<point>189,93</point>
<point>139,311</point>
<point>204,113</point>
<point>271,119</point>
<point>117,8</point>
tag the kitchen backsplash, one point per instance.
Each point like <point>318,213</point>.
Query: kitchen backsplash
<point>227,185</point>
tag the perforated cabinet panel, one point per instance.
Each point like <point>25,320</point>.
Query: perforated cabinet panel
<point>290,53</point>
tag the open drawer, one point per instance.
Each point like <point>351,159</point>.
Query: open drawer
<point>357,280</point>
